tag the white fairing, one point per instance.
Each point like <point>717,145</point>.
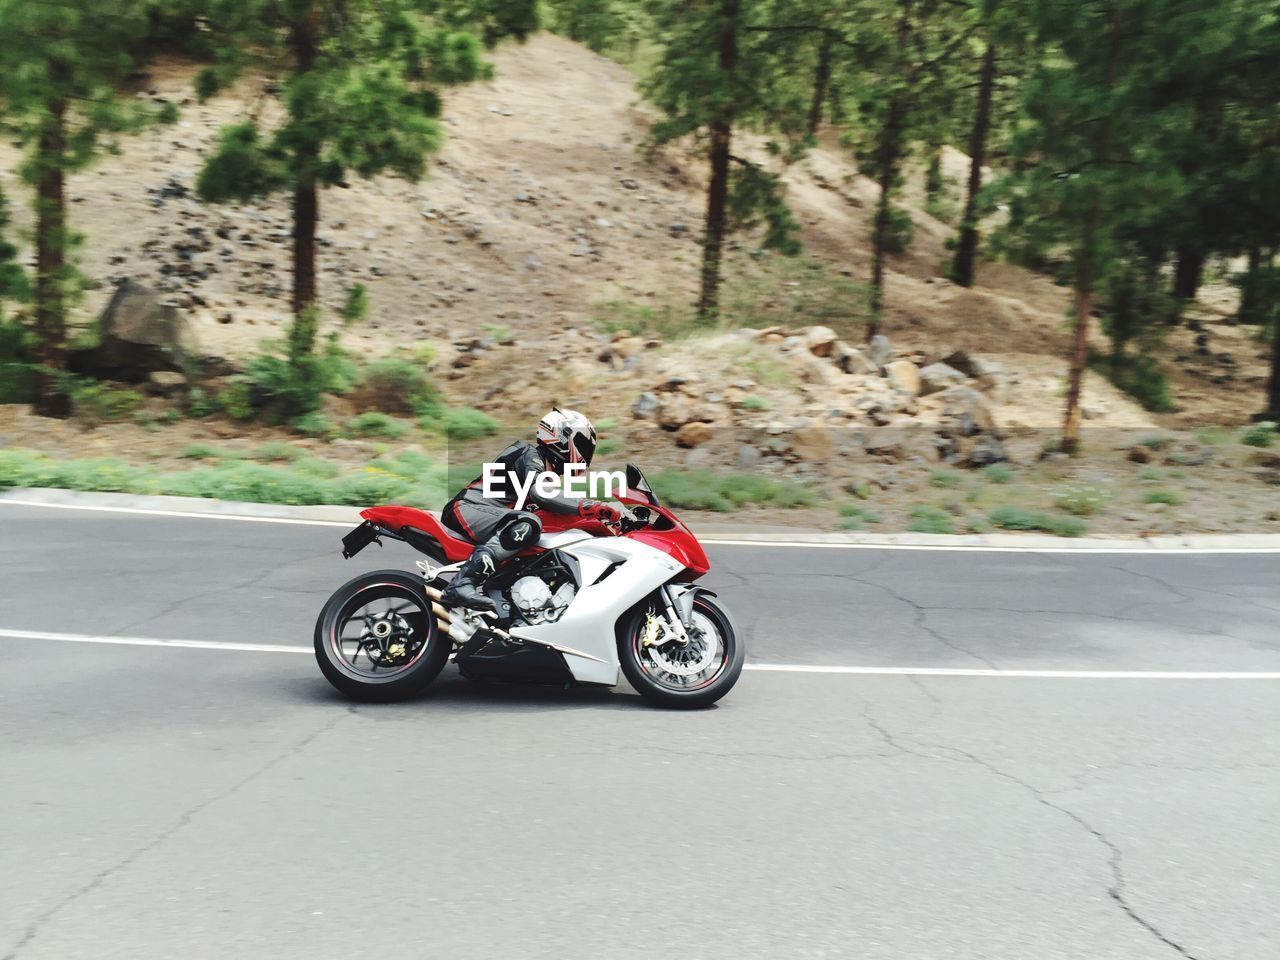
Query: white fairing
<point>588,623</point>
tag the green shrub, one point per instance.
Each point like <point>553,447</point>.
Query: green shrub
<point>312,425</point>
<point>901,232</point>
<point>316,468</point>
<point>926,519</point>
<point>247,482</point>
<point>26,468</point>
<point>945,479</point>
<point>200,404</point>
<point>17,359</point>
<point>369,486</point>
<point>356,306</point>
<point>236,401</point>
<point>276,451</point>
<point>1140,377</point>
<point>856,516</point>
<point>375,424</point>
<point>467,423</point>
<point>1009,517</point>
<point>753,403</point>
<point>1259,435</point>
<point>1149,474</point>
<point>1162,496</point>
<point>608,446</point>
<point>1082,499</point>
<point>392,385</point>
<point>998,473</point>
<point>199,451</point>
<point>703,490</point>
<point>97,403</point>
<point>1212,435</point>
<point>1155,442</point>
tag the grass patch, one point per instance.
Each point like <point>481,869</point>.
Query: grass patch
<point>277,451</point>
<point>374,424</point>
<point>926,519</point>
<point>1259,435</point>
<point>753,403</point>
<point>98,403</point>
<point>944,479</point>
<point>200,451</point>
<point>1009,517</point>
<point>1212,436</point>
<point>1081,499</point>
<point>703,490</point>
<point>998,473</point>
<point>1155,442</point>
<point>855,516</point>
<point>467,423</point>
<point>1150,475</point>
<point>1162,496</point>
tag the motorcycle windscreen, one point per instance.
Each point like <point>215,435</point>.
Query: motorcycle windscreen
<point>637,485</point>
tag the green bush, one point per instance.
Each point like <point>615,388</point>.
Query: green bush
<point>1140,377</point>
<point>200,451</point>
<point>249,482</point>
<point>467,423</point>
<point>945,479</point>
<point>366,487</point>
<point>1259,435</point>
<point>753,403</point>
<point>356,307</point>
<point>200,404</point>
<point>1009,517</point>
<point>1162,496</point>
<point>998,473</point>
<point>926,519</point>
<point>901,230</point>
<point>17,357</point>
<point>856,516</point>
<point>236,401</point>
<point>392,385</point>
<point>1155,442</point>
<point>375,425</point>
<point>703,490</point>
<point>276,451</point>
<point>26,468</point>
<point>97,403</point>
<point>1082,499</point>
<point>608,446</point>
<point>312,425</point>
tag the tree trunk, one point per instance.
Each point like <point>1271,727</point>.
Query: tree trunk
<point>821,82</point>
<point>1273,385</point>
<point>880,232</point>
<point>1085,268</point>
<point>1247,312</point>
<point>306,204</point>
<point>718,186</point>
<point>1186,276</point>
<point>967,246</point>
<point>51,253</point>
<point>1080,336</point>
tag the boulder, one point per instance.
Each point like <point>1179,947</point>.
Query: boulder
<point>820,340</point>
<point>811,442</point>
<point>905,376</point>
<point>645,407</point>
<point>851,359</point>
<point>139,333</point>
<point>879,350</point>
<point>966,413</point>
<point>693,434</point>
<point>984,451</point>
<point>1138,454</point>
<point>938,376</point>
<point>164,383</point>
<point>959,360</point>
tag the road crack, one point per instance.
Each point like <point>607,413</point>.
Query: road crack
<point>97,880</point>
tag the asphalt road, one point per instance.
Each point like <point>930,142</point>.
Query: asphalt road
<point>210,803</point>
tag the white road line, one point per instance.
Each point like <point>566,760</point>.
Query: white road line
<point>1131,550</point>
<point>757,667</point>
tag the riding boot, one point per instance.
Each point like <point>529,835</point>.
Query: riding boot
<point>465,589</point>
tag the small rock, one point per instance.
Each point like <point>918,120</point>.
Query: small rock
<point>851,359</point>
<point>879,350</point>
<point>1138,454</point>
<point>693,434</point>
<point>986,450</point>
<point>748,457</point>
<point>811,443</point>
<point>939,376</point>
<point>645,407</point>
<point>678,230</point>
<point>905,376</point>
<point>165,382</point>
<point>820,340</point>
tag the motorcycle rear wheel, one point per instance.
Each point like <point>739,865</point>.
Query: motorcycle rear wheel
<point>376,640</point>
<point>650,671</point>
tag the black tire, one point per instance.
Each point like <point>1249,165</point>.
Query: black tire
<point>401,681</point>
<point>694,698</point>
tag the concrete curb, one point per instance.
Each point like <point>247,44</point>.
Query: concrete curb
<point>711,532</point>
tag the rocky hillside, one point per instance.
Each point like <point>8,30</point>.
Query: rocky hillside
<point>540,209</point>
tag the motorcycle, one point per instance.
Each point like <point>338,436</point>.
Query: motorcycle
<point>588,601</point>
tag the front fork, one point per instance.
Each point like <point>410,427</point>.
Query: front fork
<point>677,605</point>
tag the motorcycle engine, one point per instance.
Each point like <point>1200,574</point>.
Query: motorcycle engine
<point>536,603</point>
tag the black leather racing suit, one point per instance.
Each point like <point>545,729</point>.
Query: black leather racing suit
<point>479,519</point>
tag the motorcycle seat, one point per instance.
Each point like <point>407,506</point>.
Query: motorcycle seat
<point>422,530</point>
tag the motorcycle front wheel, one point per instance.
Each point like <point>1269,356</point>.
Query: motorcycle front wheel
<point>684,676</point>
<point>377,640</point>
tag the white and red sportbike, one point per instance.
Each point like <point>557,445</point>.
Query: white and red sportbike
<point>586,602</point>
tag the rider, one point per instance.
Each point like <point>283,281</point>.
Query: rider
<point>501,531</point>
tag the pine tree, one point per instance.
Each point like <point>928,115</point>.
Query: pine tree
<point>361,83</point>
<point>60,67</point>
<point>722,69</point>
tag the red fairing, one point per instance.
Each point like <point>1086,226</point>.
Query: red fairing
<point>678,542</point>
<point>393,518</point>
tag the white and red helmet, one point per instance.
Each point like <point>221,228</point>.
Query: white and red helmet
<point>567,436</point>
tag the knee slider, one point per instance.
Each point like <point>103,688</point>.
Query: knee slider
<point>521,532</point>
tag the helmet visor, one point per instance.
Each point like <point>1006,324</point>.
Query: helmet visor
<point>585,447</point>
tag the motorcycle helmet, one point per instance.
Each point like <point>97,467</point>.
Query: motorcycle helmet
<point>566,436</point>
